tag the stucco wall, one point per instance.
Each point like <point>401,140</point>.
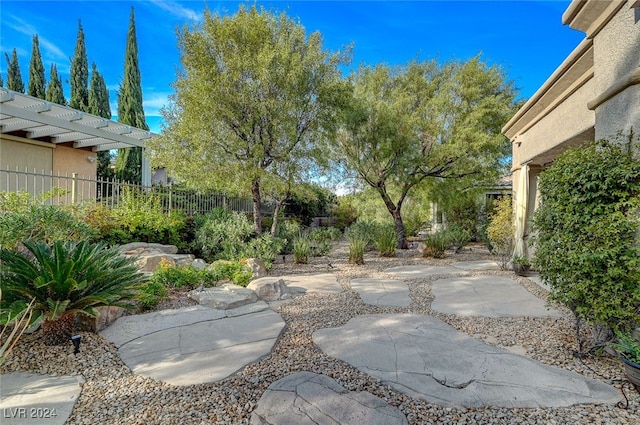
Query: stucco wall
<point>616,55</point>
<point>69,160</point>
<point>570,118</point>
<point>25,156</point>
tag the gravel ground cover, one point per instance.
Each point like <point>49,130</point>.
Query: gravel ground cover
<point>111,394</point>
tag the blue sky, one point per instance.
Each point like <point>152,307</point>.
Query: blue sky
<point>526,38</point>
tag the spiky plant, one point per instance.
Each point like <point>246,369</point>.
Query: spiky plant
<point>67,279</point>
<point>301,250</point>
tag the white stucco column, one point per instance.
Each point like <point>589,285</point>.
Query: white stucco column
<point>146,169</point>
<point>521,201</point>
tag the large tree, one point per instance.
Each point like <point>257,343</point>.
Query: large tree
<point>54,91</point>
<point>79,74</point>
<point>14,77</point>
<point>253,93</point>
<point>37,83</point>
<point>130,109</point>
<point>99,105</point>
<point>423,121</point>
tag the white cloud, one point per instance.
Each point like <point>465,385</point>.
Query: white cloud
<point>49,49</point>
<point>154,102</point>
<point>178,10</point>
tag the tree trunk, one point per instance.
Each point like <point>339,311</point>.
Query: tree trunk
<point>58,332</point>
<point>257,213</point>
<point>276,213</point>
<point>401,235</point>
<point>395,213</point>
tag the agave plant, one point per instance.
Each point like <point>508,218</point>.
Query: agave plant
<point>64,280</point>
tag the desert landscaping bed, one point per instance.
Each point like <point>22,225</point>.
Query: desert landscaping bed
<point>111,394</point>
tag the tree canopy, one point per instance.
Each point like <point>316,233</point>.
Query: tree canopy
<point>130,108</point>
<point>54,91</point>
<point>37,83</point>
<point>79,74</point>
<point>14,77</point>
<point>254,92</point>
<point>423,121</point>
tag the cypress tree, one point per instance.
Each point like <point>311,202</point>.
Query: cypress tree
<point>37,82</point>
<point>79,74</point>
<point>1,80</point>
<point>99,105</point>
<point>14,78</point>
<point>54,92</point>
<point>130,110</point>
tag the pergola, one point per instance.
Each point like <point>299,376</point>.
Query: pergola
<point>36,119</point>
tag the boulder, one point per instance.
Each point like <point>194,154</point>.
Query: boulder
<point>269,288</point>
<point>199,264</point>
<point>106,316</point>
<point>141,247</point>
<point>224,297</point>
<point>151,262</point>
<point>257,267</point>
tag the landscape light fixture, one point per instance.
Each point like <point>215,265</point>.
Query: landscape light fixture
<point>76,343</point>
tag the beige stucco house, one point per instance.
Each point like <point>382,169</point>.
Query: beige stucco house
<point>40,137</point>
<point>594,94</point>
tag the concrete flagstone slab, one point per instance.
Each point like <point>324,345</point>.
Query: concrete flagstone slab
<point>322,283</point>
<point>128,328</point>
<point>196,347</point>
<point>538,281</point>
<point>487,296</point>
<point>39,399</point>
<point>477,265</point>
<point>306,398</point>
<point>425,358</point>
<point>423,272</point>
<point>382,292</point>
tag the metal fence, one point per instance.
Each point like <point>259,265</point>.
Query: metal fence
<point>59,189</point>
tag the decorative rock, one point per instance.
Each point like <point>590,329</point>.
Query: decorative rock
<point>106,316</point>
<point>257,267</point>
<point>269,288</point>
<point>151,262</point>
<point>308,398</point>
<point>224,297</point>
<point>425,358</point>
<point>199,264</point>
<point>144,246</point>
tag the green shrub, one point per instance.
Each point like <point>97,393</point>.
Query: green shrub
<point>359,236</point>
<point>385,239</point>
<point>264,247</point>
<point>66,279</point>
<point>137,217</point>
<point>26,218</point>
<point>344,213</point>
<point>587,233</point>
<point>288,230</point>
<point>436,244</point>
<point>459,237</point>
<point>501,231</point>
<point>227,235</point>
<point>235,271</point>
<point>183,277</point>
<point>301,250</point>
<point>151,294</point>
<point>320,241</point>
<point>221,234</point>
